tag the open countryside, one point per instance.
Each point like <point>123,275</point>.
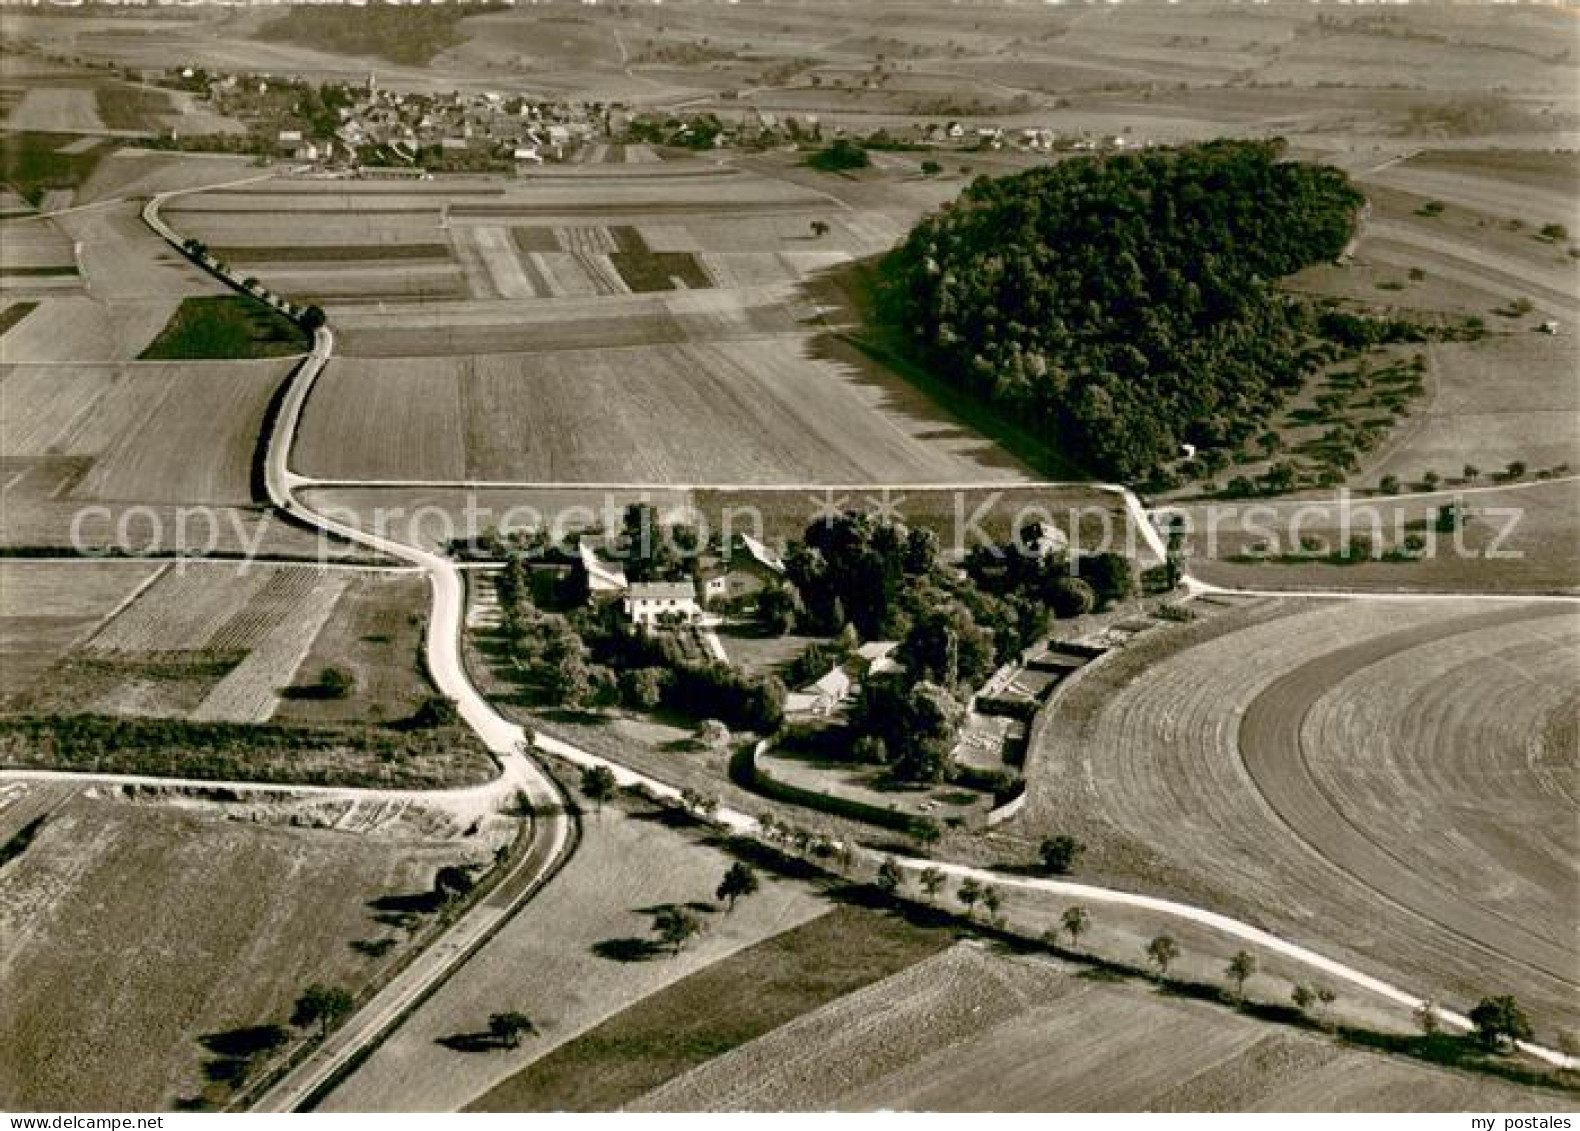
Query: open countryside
<point>885,556</point>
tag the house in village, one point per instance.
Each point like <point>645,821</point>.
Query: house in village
<point>650,603</point>
<point>750,567</point>
<point>822,697</point>
<point>605,580</point>
<point>875,660</point>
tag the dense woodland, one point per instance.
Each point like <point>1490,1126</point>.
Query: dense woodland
<point>1126,303</point>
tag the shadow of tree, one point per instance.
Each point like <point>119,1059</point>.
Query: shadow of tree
<point>418,903</point>
<point>373,948</point>
<point>472,1042</point>
<point>246,1041</point>
<point>628,950</point>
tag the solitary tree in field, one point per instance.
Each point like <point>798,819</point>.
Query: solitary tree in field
<point>889,877</point>
<point>992,901</point>
<point>819,228</point>
<point>1162,951</point>
<point>1240,969</point>
<point>932,881</point>
<point>1471,473</point>
<point>323,1006</point>
<point>452,882</point>
<point>312,318</point>
<point>1325,998</point>
<point>335,683</point>
<point>509,1027</point>
<point>1059,853</point>
<point>598,785</point>
<point>1075,920</point>
<point>1303,996</point>
<point>1500,1022</point>
<point>970,892</point>
<point>738,881</point>
<point>1427,1019</point>
<point>675,927</point>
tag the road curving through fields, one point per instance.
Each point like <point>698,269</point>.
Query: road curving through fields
<point>509,743</point>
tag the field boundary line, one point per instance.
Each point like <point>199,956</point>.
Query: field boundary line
<point>511,742</point>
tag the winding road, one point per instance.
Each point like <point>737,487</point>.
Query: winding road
<point>553,828</point>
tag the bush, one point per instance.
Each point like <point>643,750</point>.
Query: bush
<point>335,683</point>
<point>1059,853</point>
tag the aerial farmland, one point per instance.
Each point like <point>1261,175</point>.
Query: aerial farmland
<point>749,557</point>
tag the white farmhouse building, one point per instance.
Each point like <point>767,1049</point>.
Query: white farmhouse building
<point>650,602</point>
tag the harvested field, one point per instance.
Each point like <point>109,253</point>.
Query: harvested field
<point>374,634</point>
<point>34,245</point>
<point>148,433</point>
<point>546,962</point>
<point>433,516</point>
<point>358,281</point>
<point>975,1030</point>
<point>79,329</point>
<point>122,260</point>
<point>200,641</point>
<point>701,1017</point>
<point>68,109</point>
<point>766,411</point>
<point>1521,539</point>
<point>137,931</point>
<point>413,329</point>
<point>1493,402</point>
<point>200,606</point>
<point>47,609</point>
<point>1194,764</point>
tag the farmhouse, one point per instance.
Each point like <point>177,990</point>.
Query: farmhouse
<point>652,602</point>
<point>875,659</point>
<point>750,568</point>
<point>822,697</point>
<point>603,579</point>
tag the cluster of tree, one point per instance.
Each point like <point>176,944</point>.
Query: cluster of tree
<point>863,577</point>
<point>841,156</point>
<point>911,729</point>
<point>595,659</point>
<point>410,35</point>
<point>856,569</point>
<point>1126,303</point>
<point>1068,585</point>
<point>695,131</point>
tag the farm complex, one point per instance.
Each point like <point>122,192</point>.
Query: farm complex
<point>754,557</point>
